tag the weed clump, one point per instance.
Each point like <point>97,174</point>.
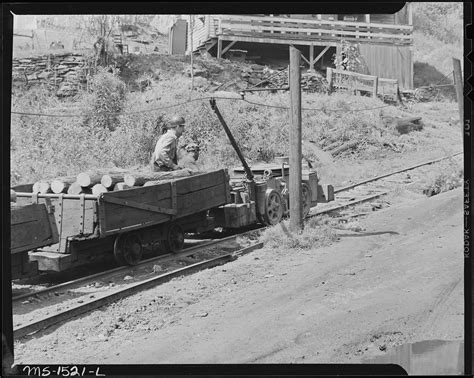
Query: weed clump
<point>316,233</point>
<point>447,180</point>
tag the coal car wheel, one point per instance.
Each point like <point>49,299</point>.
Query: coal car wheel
<point>273,207</point>
<point>128,249</point>
<point>174,238</point>
<point>306,199</point>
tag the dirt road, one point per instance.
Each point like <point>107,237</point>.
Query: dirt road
<point>398,280</point>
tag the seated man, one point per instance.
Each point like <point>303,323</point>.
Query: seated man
<point>164,157</point>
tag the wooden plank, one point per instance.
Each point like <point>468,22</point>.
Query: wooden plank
<point>228,47</point>
<point>31,227</point>
<point>239,215</point>
<point>24,188</point>
<point>49,261</point>
<point>128,219</point>
<point>320,54</point>
<point>283,40</point>
<point>356,74</point>
<point>70,219</point>
<point>306,60</point>
<point>139,205</point>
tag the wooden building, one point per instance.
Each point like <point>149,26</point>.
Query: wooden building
<point>385,40</point>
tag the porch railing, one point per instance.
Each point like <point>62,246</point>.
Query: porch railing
<point>320,30</point>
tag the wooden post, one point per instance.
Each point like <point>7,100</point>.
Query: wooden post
<point>329,77</point>
<point>458,83</point>
<point>219,48</point>
<point>191,47</point>
<point>376,84</point>
<point>367,21</point>
<point>410,13</point>
<point>296,206</point>
<point>311,58</point>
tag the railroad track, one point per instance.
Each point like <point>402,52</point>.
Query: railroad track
<point>112,296</point>
<point>128,269</point>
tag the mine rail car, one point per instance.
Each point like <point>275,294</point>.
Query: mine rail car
<point>125,221</point>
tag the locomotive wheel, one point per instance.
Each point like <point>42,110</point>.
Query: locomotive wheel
<point>306,198</point>
<point>273,207</point>
<point>174,241</point>
<point>128,249</point>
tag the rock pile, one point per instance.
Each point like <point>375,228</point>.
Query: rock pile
<point>62,71</point>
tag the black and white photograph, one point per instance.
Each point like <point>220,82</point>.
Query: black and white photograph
<point>262,190</point>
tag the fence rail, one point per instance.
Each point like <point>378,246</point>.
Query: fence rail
<point>353,81</point>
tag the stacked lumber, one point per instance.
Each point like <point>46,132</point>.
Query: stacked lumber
<point>100,181</point>
<point>337,147</point>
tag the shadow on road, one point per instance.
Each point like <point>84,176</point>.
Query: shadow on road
<point>368,234</point>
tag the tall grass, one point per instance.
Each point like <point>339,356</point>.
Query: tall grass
<point>316,233</point>
<point>50,146</point>
<point>449,176</point>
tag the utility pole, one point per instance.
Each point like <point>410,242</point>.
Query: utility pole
<point>458,83</point>
<point>191,46</point>
<point>296,205</point>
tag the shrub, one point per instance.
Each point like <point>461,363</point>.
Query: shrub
<point>425,75</point>
<point>444,21</point>
<point>107,101</point>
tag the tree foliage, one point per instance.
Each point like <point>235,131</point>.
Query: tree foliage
<point>443,21</point>
<point>350,58</point>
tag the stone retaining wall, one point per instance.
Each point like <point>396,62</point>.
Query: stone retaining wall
<point>64,72</point>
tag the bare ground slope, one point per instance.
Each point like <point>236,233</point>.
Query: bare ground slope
<point>399,280</point>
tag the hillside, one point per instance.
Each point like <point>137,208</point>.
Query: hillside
<point>438,37</point>
<point>83,135</point>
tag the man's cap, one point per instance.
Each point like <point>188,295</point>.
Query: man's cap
<point>176,121</point>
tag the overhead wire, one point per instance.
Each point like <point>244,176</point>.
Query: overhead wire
<point>194,100</point>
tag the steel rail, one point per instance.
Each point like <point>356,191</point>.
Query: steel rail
<point>195,249</point>
<point>393,173</point>
<point>350,203</point>
<point>125,269</point>
<point>110,298</point>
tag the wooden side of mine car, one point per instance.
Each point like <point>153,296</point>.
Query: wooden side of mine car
<point>31,226</point>
<point>125,221</point>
